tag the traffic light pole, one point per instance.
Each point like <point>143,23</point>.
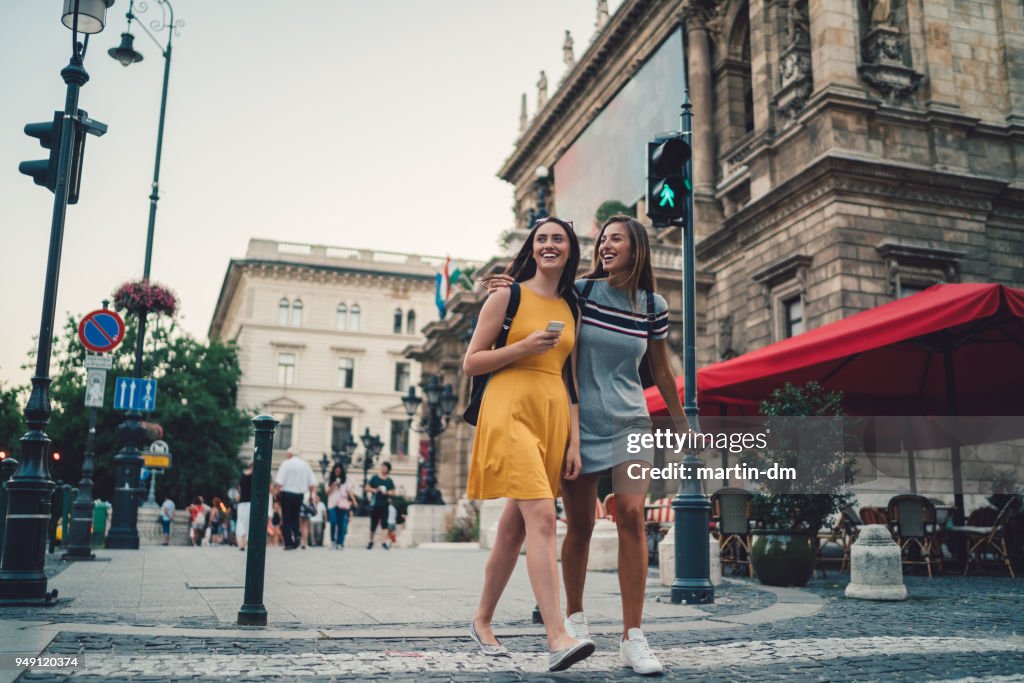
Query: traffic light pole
<point>692,509</point>
<point>29,492</point>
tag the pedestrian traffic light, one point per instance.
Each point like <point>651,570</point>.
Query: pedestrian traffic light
<point>44,171</point>
<point>668,180</point>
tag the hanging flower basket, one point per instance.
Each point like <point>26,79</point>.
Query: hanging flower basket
<point>145,297</point>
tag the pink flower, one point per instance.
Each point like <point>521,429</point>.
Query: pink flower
<point>141,296</point>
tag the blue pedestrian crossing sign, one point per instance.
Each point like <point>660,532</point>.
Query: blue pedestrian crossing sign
<point>135,393</point>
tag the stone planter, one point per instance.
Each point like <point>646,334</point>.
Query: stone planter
<point>782,558</point>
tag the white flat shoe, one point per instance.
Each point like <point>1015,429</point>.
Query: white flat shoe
<point>498,650</point>
<point>563,659</point>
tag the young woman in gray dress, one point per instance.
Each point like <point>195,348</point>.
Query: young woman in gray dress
<point>617,327</point>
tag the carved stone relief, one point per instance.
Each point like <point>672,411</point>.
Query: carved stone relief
<point>885,52</point>
<point>795,69</point>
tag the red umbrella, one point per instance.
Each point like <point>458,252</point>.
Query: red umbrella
<point>949,350</point>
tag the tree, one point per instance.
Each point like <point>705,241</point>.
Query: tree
<point>197,387</point>
<point>611,208</point>
<point>12,423</point>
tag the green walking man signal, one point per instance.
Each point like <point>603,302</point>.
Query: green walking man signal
<point>667,196</point>
<point>668,181</point>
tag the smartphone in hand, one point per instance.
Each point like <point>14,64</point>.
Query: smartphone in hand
<point>555,326</point>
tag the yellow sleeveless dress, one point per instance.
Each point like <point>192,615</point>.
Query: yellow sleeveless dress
<point>523,428</point>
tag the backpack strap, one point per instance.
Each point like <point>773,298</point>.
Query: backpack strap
<point>510,313</point>
<point>650,311</point>
<point>582,298</point>
<point>575,305</point>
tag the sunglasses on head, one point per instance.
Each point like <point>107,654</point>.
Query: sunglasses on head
<point>568,225</point>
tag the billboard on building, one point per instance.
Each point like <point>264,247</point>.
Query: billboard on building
<point>608,160</point>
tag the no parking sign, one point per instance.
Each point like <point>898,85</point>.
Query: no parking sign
<point>101,331</point>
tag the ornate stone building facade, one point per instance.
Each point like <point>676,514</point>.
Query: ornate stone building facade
<point>321,333</point>
<point>846,152</point>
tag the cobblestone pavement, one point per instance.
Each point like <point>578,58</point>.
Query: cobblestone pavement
<point>951,629</point>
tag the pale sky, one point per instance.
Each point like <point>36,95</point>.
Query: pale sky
<point>375,124</point>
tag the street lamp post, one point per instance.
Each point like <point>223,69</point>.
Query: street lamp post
<point>124,524</point>
<point>372,446</point>
<point>29,491</point>
<point>440,404</point>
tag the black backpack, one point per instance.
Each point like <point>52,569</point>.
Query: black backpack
<point>646,374</point>
<point>472,412</point>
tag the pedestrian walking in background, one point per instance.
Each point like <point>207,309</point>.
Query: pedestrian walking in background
<point>197,521</point>
<point>305,515</point>
<point>317,522</point>
<point>382,487</point>
<point>218,518</point>
<point>166,517</point>
<point>340,499</point>
<point>527,434</point>
<point>244,499</point>
<point>295,477</point>
<point>274,534</point>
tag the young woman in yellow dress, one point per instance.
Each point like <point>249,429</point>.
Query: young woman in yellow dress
<point>527,435</point>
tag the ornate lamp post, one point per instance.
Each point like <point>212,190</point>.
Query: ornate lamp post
<point>324,464</point>
<point>123,530</point>
<point>29,491</point>
<point>440,404</point>
<point>343,457</point>
<point>372,446</point>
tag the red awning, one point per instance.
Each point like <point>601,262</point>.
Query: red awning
<point>896,359</point>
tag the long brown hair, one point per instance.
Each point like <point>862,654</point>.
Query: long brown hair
<point>641,274</point>
<point>523,266</point>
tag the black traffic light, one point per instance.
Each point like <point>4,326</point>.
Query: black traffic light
<point>668,180</point>
<point>44,171</point>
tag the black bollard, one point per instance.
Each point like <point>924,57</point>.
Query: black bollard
<point>253,612</point>
<point>7,467</point>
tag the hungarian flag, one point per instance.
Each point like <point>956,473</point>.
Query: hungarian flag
<point>443,285</point>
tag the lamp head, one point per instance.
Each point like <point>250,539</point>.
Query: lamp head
<point>91,14</point>
<point>125,52</point>
<point>448,400</point>
<point>411,401</point>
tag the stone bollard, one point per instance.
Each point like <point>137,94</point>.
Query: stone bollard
<point>604,546</point>
<point>876,569</point>
<point>490,512</point>
<point>667,559</point>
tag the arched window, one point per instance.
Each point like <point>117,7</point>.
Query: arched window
<point>342,321</point>
<point>282,312</point>
<point>410,322</point>
<point>353,317</point>
<point>297,312</point>
<point>397,327</point>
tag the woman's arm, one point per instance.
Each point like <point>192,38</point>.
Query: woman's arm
<point>481,358</point>
<point>657,352</point>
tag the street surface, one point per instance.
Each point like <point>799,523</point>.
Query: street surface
<point>162,614</point>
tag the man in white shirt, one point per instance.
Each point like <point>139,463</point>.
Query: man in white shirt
<point>295,477</point>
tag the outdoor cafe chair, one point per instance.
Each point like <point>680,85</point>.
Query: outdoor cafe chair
<point>912,521</point>
<point>731,508</point>
<point>846,531</point>
<point>871,515</point>
<point>658,519</point>
<point>991,538</point>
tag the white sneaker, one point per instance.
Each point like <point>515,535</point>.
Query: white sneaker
<point>636,654</point>
<point>576,625</point>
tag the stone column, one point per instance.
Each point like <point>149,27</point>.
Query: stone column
<point>834,37</point>
<point>698,57</point>
<point>698,80</point>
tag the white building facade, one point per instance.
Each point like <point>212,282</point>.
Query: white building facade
<point>321,333</point>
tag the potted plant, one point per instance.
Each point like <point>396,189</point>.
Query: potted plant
<point>145,297</point>
<point>805,441</point>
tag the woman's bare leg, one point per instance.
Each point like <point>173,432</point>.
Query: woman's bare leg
<point>579,497</point>
<point>508,543</point>
<point>539,517</point>
<point>629,518</point>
